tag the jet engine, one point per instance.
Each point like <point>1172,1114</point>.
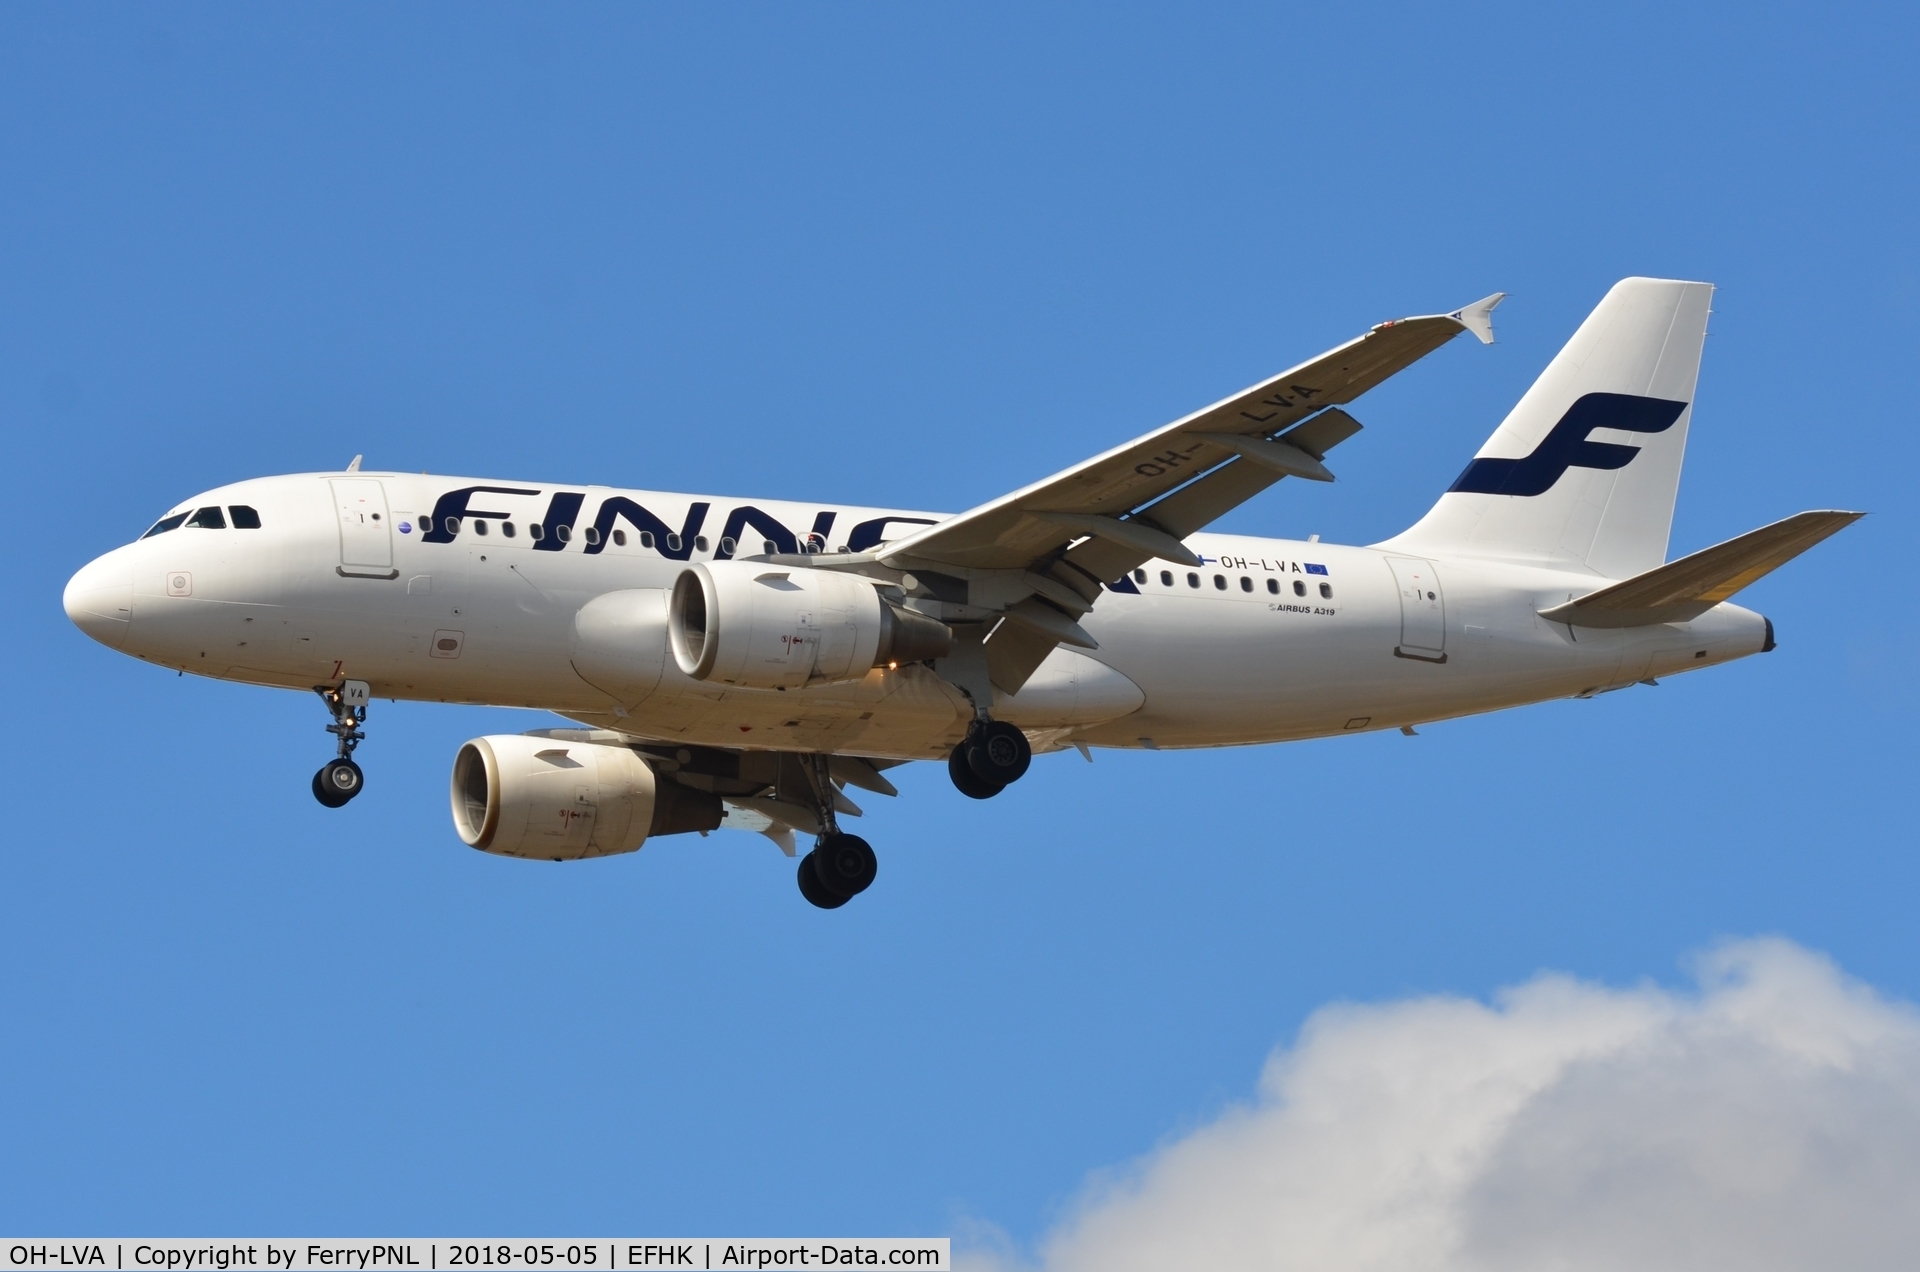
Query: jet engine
<point>544,798</point>
<point>775,627</point>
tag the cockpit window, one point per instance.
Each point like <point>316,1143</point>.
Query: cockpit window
<point>208,519</point>
<point>244,518</point>
<point>165,524</point>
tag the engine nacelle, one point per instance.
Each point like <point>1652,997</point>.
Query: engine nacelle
<point>548,799</point>
<point>777,627</point>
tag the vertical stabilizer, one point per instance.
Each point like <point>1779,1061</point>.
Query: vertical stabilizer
<point>1583,472</point>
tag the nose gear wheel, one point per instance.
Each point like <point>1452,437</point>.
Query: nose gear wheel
<point>337,782</point>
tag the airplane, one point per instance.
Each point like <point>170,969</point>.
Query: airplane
<point>740,664</point>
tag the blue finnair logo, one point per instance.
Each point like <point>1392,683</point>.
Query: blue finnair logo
<point>1567,445</point>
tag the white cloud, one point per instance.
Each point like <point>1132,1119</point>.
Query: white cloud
<point>1769,1120</point>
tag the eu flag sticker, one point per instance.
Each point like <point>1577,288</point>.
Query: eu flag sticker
<point>1315,569</point>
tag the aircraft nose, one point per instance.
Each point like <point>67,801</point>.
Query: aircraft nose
<point>99,598</point>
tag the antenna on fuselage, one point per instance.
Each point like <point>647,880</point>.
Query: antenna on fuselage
<point>354,467</point>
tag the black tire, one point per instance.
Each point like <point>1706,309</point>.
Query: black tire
<point>998,753</point>
<point>845,865</point>
<point>337,782</point>
<point>968,782</point>
<point>327,798</point>
<point>813,890</point>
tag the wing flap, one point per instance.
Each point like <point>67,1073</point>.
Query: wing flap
<point>1685,589</point>
<point>1014,652</point>
<point>1199,503</point>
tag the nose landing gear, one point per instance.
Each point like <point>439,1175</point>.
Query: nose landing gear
<point>340,779</point>
<point>993,756</point>
<point>841,866</point>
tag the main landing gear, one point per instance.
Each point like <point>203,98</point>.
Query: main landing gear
<point>993,756</point>
<point>841,866</point>
<point>340,779</point>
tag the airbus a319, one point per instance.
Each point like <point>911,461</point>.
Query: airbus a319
<point>736,663</point>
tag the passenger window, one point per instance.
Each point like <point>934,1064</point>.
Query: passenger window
<point>1246,584</point>
<point>620,538</point>
<point>1220,582</point>
<point>1273,586</point>
<point>673,543</point>
<point>165,524</point>
<point>1166,578</point>
<point>208,519</point>
<point>426,525</point>
<point>593,535</point>
<point>563,533</point>
<point>1299,588</point>
<point>479,525</point>
<point>1139,576</point>
<point>244,518</point>
<point>536,531</point>
<point>646,538</point>
<point>453,526</point>
<point>1193,580</point>
<point>506,529</point>
<point>771,547</point>
<point>727,546</point>
<point>1326,591</point>
<point>700,544</point>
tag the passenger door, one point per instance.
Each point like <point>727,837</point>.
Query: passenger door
<point>1423,610</point>
<point>366,535</point>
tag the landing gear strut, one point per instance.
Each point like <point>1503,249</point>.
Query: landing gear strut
<point>993,756</point>
<point>841,866</point>
<point>340,779</point>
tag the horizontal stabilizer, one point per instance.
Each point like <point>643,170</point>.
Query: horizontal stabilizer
<point>1685,589</point>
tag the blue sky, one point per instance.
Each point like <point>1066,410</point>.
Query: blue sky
<point>913,257</point>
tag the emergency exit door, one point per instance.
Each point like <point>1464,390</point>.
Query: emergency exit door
<point>366,539</point>
<point>1423,610</point>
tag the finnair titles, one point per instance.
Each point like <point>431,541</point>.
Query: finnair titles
<point>743,664</point>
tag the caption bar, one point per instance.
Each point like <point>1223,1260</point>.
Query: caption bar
<point>756,1254</point>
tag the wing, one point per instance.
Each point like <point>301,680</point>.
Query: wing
<point>1238,432</point>
<point>1039,556</point>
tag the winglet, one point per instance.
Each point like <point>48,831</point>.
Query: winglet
<point>1478,317</point>
<point>354,467</point>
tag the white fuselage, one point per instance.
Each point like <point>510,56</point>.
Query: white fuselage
<point>1271,640</point>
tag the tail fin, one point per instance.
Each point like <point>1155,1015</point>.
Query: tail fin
<point>1543,489</point>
